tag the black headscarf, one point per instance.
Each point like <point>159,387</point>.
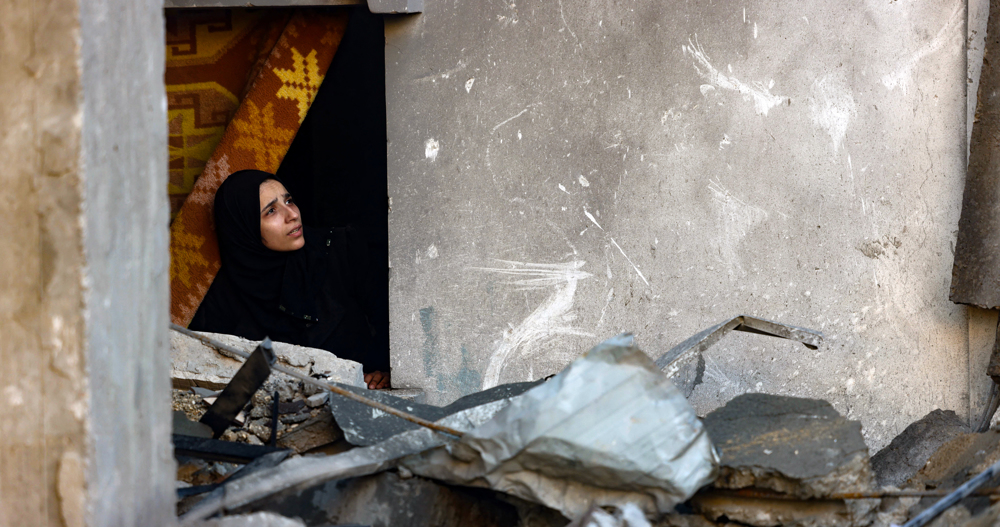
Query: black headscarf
<point>311,297</point>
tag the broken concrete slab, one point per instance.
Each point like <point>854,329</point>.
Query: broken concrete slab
<point>194,363</point>
<point>910,450</point>
<point>958,460</point>
<point>955,463</point>
<point>316,432</point>
<point>801,447</point>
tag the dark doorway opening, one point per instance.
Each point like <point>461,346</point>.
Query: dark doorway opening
<point>336,165</point>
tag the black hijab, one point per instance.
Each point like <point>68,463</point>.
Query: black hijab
<point>314,296</point>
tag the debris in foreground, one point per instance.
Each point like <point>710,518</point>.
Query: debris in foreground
<point>608,430</point>
<point>610,441</point>
<point>195,363</point>
<point>909,451</point>
<point>801,447</point>
<point>798,447</point>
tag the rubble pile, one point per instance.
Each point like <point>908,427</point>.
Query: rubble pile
<point>608,442</point>
<point>300,406</point>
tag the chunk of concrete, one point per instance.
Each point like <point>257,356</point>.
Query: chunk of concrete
<point>801,447</point>
<point>316,432</point>
<point>195,363</point>
<point>317,400</point>
<point>910,450</point>
<point>955,463</point>
<point>959,460</point>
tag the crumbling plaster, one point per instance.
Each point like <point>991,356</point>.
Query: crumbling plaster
<point>84,391</point>
<point>562,171</point>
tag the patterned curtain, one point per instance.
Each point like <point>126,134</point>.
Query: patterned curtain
<point>239,84</point>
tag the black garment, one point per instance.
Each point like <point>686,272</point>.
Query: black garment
<point>313,297</point>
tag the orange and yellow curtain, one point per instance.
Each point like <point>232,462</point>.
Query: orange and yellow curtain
<point>239,84</point>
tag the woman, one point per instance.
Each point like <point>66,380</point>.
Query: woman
<point>286,281</point>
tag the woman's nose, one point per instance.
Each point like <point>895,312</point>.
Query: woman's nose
<point>291,214</point>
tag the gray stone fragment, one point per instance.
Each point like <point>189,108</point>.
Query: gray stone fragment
<point>318,431</point>
<point>910,450</point>
<point>319,399</point>
<point>801,447</point>
<point>197,364</point>
<point>260,428</point>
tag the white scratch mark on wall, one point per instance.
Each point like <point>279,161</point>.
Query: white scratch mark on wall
<point>832,107</point>
<point>509,119</point>
<point>444,74</point>
<point>611,294</point>
<point>637,271</point>
<point>725,141</point>
<point>591,218</point>
<point>951,29</point>
<point>468,84</point>
<point>760,95</point>
<point>566,25</point>
<point>755,30</point>
<point>736,219</point>
<point>431,148</point>
<point>583,181</point>
<point>432,252</point>
<point>546,323</point>
<point>562,188</point>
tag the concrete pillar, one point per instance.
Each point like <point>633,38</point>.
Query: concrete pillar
<point>84,392</point>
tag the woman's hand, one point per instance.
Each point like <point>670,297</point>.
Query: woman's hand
<point>378,380</point>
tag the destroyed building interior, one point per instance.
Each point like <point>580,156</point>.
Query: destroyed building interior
<point>636,263</point>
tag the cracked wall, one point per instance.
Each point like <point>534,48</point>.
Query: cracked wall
<point>797,161</point>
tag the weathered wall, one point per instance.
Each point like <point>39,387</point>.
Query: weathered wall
<point>43,383</point>
<point>131,474</point>
<point>562,171</point>
<point>84,393</point>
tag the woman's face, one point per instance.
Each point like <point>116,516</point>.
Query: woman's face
<point>280,222</point>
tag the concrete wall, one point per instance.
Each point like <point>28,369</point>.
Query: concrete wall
<point>562,171</point>
<point>84,393</point>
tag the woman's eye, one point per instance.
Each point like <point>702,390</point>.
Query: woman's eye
<point>289,201</point>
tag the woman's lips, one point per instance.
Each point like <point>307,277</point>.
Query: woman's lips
<point>296,232</point>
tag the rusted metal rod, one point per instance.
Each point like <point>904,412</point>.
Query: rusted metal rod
<point>772,495</point>
<point>331,387</point>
